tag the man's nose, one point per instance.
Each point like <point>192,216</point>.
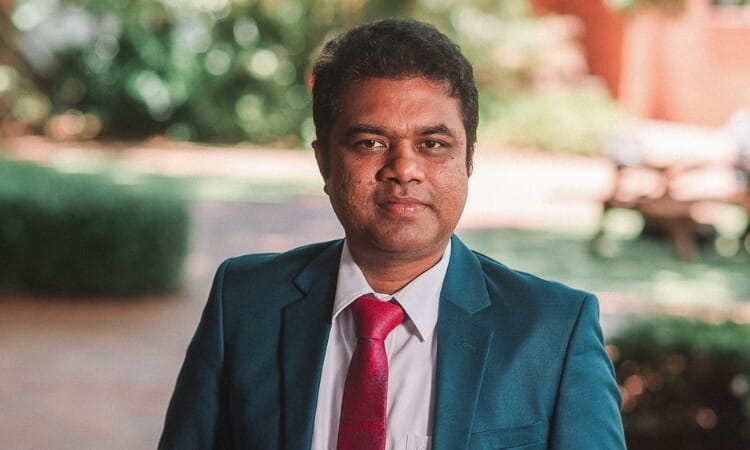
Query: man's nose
<point>404,164</point>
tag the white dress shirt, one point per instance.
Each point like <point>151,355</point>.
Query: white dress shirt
<point>411,349</point>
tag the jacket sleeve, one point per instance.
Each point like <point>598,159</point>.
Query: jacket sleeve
<point>196,417</point>
<point>587,411</point>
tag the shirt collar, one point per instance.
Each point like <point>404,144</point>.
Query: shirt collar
<point>419,298</point>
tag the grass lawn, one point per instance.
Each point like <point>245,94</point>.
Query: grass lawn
<point>642,269</point>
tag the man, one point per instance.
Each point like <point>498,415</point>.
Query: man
<point>398,337</point>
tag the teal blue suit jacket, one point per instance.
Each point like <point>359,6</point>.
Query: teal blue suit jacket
<point>520,361</point>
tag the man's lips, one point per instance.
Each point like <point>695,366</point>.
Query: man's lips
<point>403,206</point>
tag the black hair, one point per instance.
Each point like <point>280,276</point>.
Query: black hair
<point>392,48</point>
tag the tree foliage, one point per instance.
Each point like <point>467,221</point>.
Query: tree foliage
<point>233,70</point>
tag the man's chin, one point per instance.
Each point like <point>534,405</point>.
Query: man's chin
<point>410,246</point>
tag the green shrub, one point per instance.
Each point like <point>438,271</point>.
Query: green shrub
<point>573,121</point>
<point>685,384</point>
<point>86,235</point>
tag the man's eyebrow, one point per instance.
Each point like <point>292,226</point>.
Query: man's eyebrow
<point>437,129</point>
<point>358,128</point>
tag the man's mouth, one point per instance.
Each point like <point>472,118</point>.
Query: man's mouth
<point>403,206</point>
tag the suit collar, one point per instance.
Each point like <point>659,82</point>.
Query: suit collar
<point>464,340</point>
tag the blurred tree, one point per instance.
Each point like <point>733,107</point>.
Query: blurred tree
<point>234,70</point>
<point>22,105</point>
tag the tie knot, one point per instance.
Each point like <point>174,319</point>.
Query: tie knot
<point>375,318</point>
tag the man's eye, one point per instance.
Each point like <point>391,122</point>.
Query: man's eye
<point>369,144</point>
<point>432,145</point>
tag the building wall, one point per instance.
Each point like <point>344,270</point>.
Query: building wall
<point>602,37</point>
<point>690,67</point>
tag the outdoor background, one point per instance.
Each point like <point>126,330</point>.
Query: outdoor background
<point>143,142</point>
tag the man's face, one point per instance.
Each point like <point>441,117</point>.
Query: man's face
<point>396,169</point>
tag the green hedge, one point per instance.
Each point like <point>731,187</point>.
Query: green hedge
<point>76,234</point>
<point>685,384</point>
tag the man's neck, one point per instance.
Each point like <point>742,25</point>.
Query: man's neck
<point>387,274</point>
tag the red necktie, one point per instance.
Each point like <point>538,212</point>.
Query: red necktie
<point>363,407</point>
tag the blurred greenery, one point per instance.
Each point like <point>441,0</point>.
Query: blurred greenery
<point>236,70</point>
<point>730,2</point>
<point>83,234</point>
<point>631,5</point>
<point>669,5</point>
<point>638,270</point>
<point>685,383</point>
<point>676,6</point>
<point>546,120</point>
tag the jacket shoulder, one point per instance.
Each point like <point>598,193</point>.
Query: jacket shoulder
<point>516,285</point>
<point>274,265</point>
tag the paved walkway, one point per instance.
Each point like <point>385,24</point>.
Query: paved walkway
<point>98,374</point>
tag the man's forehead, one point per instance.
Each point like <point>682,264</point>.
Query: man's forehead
<point>357,83</point>
<point>416,99</point>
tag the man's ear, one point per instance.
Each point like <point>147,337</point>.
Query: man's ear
<point>470,160</point>
<point>321,157</point>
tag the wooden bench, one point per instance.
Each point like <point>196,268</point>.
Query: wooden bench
<point>658,205</point>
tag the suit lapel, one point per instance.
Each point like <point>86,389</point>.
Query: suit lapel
<point>306,326</point>
<point>463,344</point>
